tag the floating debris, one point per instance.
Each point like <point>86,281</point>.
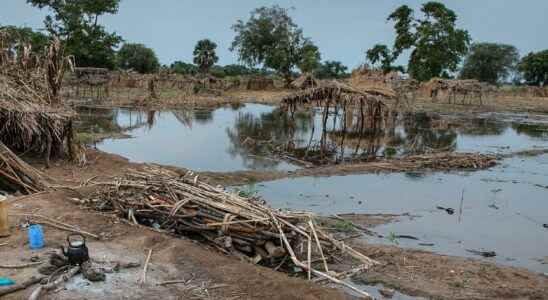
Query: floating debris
<point>482,253</point>
<point>449,210</point>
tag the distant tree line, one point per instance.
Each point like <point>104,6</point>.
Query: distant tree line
<point>270,42</point>
<point>438,47</point>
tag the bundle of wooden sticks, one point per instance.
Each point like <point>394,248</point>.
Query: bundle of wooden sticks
<point>236,225</point>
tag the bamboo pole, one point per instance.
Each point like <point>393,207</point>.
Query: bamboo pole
<point>4,222</point>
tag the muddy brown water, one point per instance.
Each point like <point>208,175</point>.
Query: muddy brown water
<point>503,208</point>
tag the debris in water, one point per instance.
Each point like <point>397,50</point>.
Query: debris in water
<point>483,253</point>
<point>404,236</point>
<point>493,206</point>
<point>426,244</point>
<point>449,210</point>
<point>386,292</point>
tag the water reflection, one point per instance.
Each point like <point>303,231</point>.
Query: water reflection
<point>532,130</point>
<point>253,136</point>
<point>108,120</point>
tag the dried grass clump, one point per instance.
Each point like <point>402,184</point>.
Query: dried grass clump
<point>32,115</point>
<point>305,81</point>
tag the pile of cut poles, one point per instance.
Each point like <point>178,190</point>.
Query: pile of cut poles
<point>17,174</point>
<point>246,227</point>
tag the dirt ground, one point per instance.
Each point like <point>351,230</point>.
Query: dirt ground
<point>421,273</point>
<point>497,104</point>
<point>215,276</point>
<point>210,275</point>
<point>380,166</point>
<point>169,99</point>
<point>173,101</point>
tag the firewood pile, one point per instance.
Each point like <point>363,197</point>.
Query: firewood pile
<point>241,226</point>
<point>17,175</point>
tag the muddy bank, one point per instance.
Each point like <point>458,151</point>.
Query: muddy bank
<point>498,104</point>
<point>412,272</point>
<point>419,273</point>
<point>172,259</point>
<point>170,100</point>
<point>463,162</point>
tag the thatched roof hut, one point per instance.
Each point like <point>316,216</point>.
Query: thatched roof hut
<point>305,81</point>
<point>26,121</point>
<point>338,92</point>
<point>365,78</point>
<point>341,97</point>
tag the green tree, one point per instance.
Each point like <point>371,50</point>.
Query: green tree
<point>331,70</point>
<point>269,38</point>
<point>534,67</point>
<point>237,70</point>
<point>217,71</point>
<point>137,57</point>
<point>75,22</point>
<point>436,45</point>
<point>16,37</point>
<point>180,67</point>
<point>204,55</point>
<point>382,55</point>
<point>490,62</point>
<point>310,57</point>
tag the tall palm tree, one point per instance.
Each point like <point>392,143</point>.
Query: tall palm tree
<point>204,55</point>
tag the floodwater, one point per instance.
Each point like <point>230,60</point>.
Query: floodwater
<point>503,209</point>
<point>201,140</point>
<point>244,137</point>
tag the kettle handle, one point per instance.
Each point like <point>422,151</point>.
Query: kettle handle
<point>78,235</point>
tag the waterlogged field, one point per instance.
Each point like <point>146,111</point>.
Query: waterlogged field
<point>501,209</point>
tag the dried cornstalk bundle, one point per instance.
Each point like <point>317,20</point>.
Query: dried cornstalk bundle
<point>436,161</point>
<point>32,116</point>
<point>236,225</point>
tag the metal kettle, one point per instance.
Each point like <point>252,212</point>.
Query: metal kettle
<point>77,251</point>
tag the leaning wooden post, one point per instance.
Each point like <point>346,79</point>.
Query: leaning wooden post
<point>4,224</point>
<point>69,140</point>
<point>47,152</point>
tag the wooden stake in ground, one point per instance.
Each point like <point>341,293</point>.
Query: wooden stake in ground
<point>4,224</point>
<point>143,278</point>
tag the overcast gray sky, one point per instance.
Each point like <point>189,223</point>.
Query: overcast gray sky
<point>342,29</point>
